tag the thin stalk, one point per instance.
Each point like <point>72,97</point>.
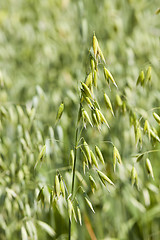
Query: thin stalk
<point>73,176</point>
<point>75,158</point>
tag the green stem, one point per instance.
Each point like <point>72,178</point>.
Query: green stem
<point>75,158</point>
<point>73,176</point>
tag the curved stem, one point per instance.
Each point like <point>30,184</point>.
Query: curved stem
<point>150,151</point>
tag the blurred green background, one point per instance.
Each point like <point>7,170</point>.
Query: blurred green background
<point>44,55</point>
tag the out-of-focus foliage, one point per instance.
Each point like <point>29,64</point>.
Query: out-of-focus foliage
<point>43,58</point>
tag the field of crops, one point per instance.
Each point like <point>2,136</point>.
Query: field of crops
<point>79,120</point>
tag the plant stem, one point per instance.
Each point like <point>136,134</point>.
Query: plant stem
<point>75,158</point>
<point>73,176</point>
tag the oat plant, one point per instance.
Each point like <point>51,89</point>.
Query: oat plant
<point>90,115</point>
<point>86,162</point>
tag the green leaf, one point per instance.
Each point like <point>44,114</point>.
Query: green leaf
<point>60,111</point>
<point>79,215</point>
<point>46,228</point>
<point>89,204</point>
<point>40,195</point>
<point>99,154</point>
<point>157,117</point>
<point>108,76</point>
<point>104,178</point>
<point>41,155</point>
<point>24,233</point>
<point>70,209</point>
<point>149,168</point>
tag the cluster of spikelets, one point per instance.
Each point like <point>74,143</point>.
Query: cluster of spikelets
<point>87,90</point>
<point>152,135</point>
<point>143,79</point>
<point>92,159</point>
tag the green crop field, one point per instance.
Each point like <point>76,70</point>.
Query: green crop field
<point>79,120</point>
